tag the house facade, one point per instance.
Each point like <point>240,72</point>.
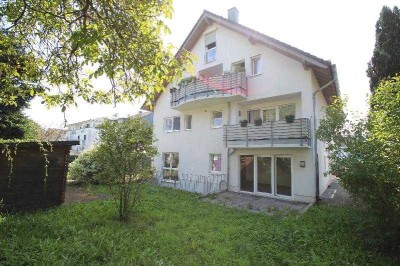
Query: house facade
<point>245,76</point>
<point>85,132</point>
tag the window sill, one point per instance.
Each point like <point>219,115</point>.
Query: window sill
<point>169,181</point>
<point>209,62</point>
<point>255,75</point>
<point>216,127</point>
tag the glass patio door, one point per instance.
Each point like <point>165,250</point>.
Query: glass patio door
<point>283,176</point>
<point>247,173</point>
<point>264,174</point>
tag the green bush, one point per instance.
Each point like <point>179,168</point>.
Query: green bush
<point>365,154</point>
<point>87,169</point>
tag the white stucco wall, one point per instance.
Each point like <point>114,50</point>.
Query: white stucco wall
<point>283,80</point>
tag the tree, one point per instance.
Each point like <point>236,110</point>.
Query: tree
<point>364,154</point>
<point>125,150</point>
<point>385,61</point>
<point>18,85</point>
<point>76,41</point>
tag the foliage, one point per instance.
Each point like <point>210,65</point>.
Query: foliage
<point>18,83</point>
<point>73,42</point>
<point>385,115</point>
<point>363,160</point>
<point>385,61</point>
<point>183,82</point>
<point>13,122</point>
<point>88,169</point>
<point>125,150</point>
<point>18,71</point>
<point>174,227</point>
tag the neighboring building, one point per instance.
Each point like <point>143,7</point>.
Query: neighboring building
<point>86,132</point>
<point>244,75</point>
<point>145,115</point>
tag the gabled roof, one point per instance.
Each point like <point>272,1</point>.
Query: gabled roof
<point>324,70</point>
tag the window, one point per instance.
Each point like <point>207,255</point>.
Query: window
<point>170,167</point>
<point>188,122</point>
<point>215,162</point>
<point>216,119</point>
<point>269,115</point>
<point>177,123</point>
<point>238,67</point>
<point>256,65</point>
<point>253,115</point>
<point>278,112</point>
<point>172,124</point>
<point>211,47</point>
<point>168,124</point>
<point>84,137</point>
<point>286,110</point>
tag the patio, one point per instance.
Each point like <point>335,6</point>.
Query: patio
<point>256,204</point>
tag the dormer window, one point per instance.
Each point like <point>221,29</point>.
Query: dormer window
<point>211,47</point>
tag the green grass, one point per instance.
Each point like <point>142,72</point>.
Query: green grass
<point>177,228</point>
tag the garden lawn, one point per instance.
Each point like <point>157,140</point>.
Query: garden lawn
<point>175,227</point>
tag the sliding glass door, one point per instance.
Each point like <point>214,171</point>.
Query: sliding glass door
<point>266,175</point>
<point>283,175</point>
<point>247,173</point>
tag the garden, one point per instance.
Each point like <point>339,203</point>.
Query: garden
<point>176,227</point>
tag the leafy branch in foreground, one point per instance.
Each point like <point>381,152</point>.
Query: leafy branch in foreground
<point>76,41</point>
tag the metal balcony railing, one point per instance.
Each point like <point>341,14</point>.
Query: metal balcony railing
<point>206,87</point>
<point>269,134</point>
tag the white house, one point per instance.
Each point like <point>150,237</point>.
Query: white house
<point>86,132</point>
<point>242,74</point>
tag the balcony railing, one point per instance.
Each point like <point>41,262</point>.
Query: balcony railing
<point>269,134</point>
<point>206,87</point>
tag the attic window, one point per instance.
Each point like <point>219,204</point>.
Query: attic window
<point>211,47</point>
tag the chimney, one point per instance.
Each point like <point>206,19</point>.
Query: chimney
<point>233,14</point>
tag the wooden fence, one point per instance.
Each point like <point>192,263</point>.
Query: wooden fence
<point>24,185</point>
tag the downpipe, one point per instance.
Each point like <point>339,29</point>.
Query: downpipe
<point>316,159</point>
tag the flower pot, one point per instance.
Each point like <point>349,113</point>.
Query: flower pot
<point>243,123</point>
<point>258,122</point>
<point>289,118</point>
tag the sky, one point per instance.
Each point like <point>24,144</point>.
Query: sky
<point>342,31</point>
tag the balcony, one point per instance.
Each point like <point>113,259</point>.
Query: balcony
<point>269,134</point>
<point>208,91</point>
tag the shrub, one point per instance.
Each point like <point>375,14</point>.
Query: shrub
<point>87,169</point>
<point>125,150</point>
<point>365,154</point>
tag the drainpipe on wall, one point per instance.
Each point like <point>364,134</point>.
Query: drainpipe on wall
<point>317,198</point>
<point>227,150</point>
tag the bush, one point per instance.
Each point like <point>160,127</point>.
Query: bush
<point>125,150</point>
<point>365,154</point>
<point>87,169</point>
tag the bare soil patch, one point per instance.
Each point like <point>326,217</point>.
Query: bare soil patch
<point>74,193</point>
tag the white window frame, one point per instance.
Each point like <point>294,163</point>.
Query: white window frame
<point>212,119</point>
<point>277,112</point>
<point>186,120</point>
<point>172,123</point>
<point>209,50</point>
<point>170,166</point>
<point>253,60</point>
<point>249,112</point>
<point>212,161</point>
